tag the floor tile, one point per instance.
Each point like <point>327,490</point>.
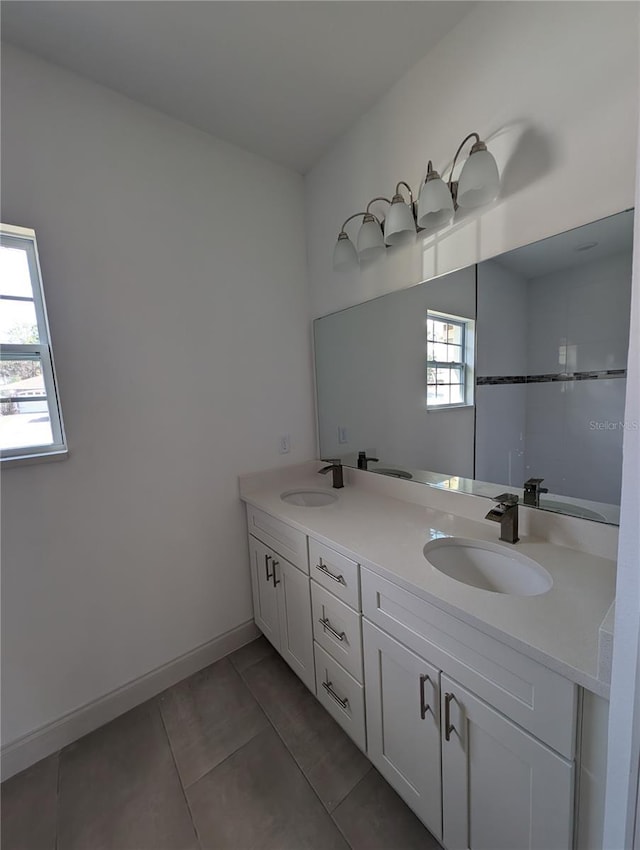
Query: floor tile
<point>373,817</point>
<point>258,799</point>
<point>251,653</point>
<point>119,788</point>
<point>209,716</point>
<point>29,804</point>
<point>330,760</point>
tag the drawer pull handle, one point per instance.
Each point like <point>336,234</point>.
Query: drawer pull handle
<point>267,558</point>
<point>448,725</point>
<point>325,570</point>
<point>276,581</point>
<point>326,625</point>
<point>343,703</point>
<point>424,705</point>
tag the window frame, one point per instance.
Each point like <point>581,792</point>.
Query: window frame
<point>466,365</point>
<point>24,238</point>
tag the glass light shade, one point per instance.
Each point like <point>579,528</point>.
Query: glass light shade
<point>399,225</point>
<point>435,204</point>
<point>479,181</point>
<point>344,254</point>
<point>370,241</point>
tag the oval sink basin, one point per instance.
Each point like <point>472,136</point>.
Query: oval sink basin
<point>309,498</point>
<point>488,566</point>
<point>394,473</point>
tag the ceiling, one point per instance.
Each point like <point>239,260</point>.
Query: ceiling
<point>282,79</point>
<point>586,244</point>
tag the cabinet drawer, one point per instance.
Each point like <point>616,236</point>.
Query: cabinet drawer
<point>337,628</point>
<point>534,697</point>
<point>335,572</point>
<point>341,695</point>
<point>286,541</point>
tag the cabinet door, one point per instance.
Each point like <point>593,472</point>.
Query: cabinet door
<point>265,597</point>
<point>502,789</point>
<point>403,723</point>
<point>296,631</point>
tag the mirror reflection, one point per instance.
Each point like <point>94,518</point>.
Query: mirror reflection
<point>508,374</point>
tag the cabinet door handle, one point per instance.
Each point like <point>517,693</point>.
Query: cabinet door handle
<point>267,558</point>
<point>343,703</point>
<point>448,725</point>
<point>326,625</point>
<point>320,566</point>
<point>276,581</point>
<point>424,705</point>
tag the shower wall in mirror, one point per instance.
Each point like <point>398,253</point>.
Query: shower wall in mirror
<point>538,384</point>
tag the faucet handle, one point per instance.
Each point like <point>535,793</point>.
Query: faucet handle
<point>507,499</point>
<point>533,483</point>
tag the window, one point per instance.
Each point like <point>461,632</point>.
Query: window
<point>449,360</point>
<point>30,418</point>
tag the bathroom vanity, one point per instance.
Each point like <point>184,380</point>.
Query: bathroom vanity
<point>483,709</point>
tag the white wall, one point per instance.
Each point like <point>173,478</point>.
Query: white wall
<point>181,337</point>
<point>554,89</point>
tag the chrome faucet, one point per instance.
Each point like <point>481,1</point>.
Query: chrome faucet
<point>532,490</point>
<point>506,513</point>
<point>335,466</point>
<point>363,460</point>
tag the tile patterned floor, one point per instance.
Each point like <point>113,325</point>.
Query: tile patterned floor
<point>240,756</point>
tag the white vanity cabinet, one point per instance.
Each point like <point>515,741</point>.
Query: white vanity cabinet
<point>472,774</point>
<point>337,628</point>
<point>474,778</point>
<point>490,748</point>
<point>265,598</point>
<point>403,716</point>
<point>501,788</point>
<point>282,607</point>
<point>337,631</point>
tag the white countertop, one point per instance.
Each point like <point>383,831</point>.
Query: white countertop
<point>559,628</point>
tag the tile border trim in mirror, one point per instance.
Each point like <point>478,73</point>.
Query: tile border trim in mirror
<point>603,374</point>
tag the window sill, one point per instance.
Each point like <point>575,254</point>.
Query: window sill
<point>30,459</point>
<point>448,407</point>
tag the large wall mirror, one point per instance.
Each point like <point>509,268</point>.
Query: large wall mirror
<point>506,375</point>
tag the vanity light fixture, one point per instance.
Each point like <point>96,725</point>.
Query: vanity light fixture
<point>370,240</point>
<point>479,184</point>
<point>479,181</point>
<point>400,225</point>
<point>345,255</point>
<point>435,204</point>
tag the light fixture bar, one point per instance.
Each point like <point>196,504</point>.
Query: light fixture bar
<point>478,184</point>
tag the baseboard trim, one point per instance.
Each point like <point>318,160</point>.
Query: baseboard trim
<point>48,739</point>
